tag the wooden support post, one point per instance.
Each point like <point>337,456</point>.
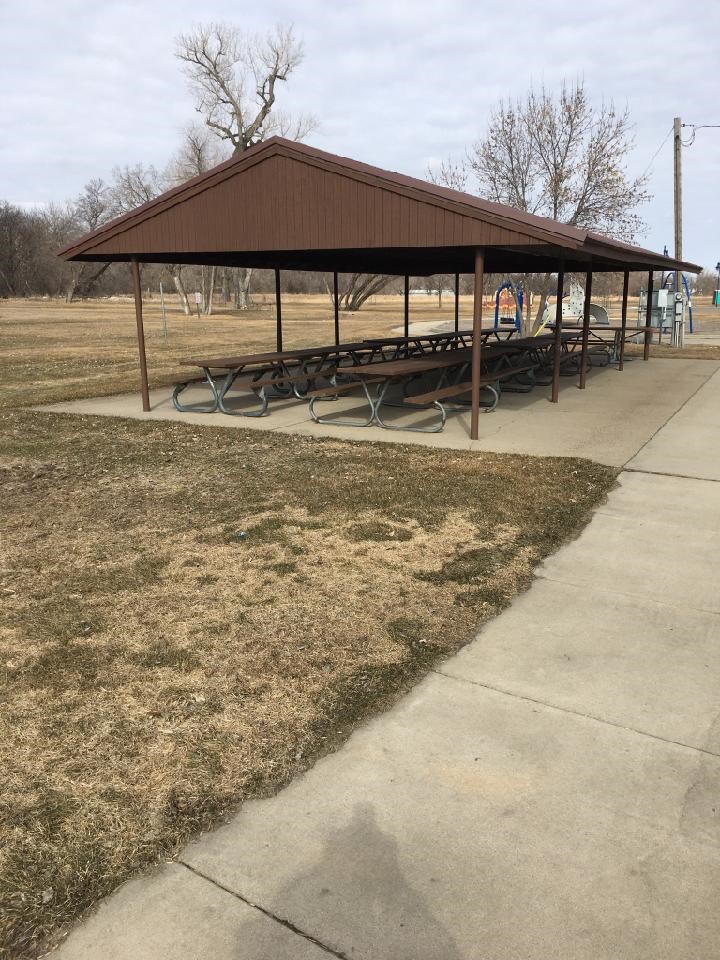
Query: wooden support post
<point>585,330</point>
<point>476,344</point>
<point>557,346</point>
<point>135,269</point>
<point>407,306</point>
<point>278,313</point>
<point>336,302</point>
<point>648,316</point>
<point>457,302</point>
<point>623,318</point>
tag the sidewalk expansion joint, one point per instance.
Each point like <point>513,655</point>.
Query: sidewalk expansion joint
<point>577,713</point>
<point>667,473</point>
<point>672,416</point>
<point>288,924</point>
<point>632,596</point>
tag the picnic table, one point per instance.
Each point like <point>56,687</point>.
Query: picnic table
<point>421,344</point>
<point>449,369</point>
<point>621,336</point>
<point>285,371</point>
<point>272,371</point>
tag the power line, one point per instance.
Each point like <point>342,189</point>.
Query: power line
<point>667,137</point>
<point>698,126</point>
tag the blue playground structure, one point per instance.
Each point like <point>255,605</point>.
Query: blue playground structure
<point>668,281</point>
<point>517,293</point>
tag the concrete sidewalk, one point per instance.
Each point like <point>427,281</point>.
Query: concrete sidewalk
<point>551,792</point>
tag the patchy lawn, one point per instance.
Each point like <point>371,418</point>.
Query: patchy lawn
<point>193,615</point>
<point>691,351</point>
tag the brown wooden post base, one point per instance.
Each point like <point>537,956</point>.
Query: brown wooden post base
<point>476,344</point>
<point>137,290</point>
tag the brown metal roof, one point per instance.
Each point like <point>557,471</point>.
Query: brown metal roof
<point>284,204</point>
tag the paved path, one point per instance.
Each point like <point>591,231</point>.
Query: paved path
<point>551,792</point>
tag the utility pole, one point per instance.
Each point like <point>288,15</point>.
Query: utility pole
<point>677,143</point>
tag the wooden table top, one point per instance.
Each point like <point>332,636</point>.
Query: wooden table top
<point>251,359</point>
<point>410,365</point>
<point>392,341</point>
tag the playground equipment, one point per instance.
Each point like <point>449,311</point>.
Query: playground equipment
<point>507,295</point>
<point>573,308</point>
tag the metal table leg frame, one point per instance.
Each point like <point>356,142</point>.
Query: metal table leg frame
<point>342,422</point>
<point>192,407</point>
<point>261,395</point>
<point>389,426</point>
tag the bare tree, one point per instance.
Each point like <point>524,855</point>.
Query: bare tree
<point>131,187</point>
<point>93,207</point>
<point>19,235</point>
<point>198,153</point>
<point>559,157</point>
<point>134,185</point>
<point>357,288</point>
<point>234,77</point>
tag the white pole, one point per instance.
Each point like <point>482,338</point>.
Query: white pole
<point>162,304</point>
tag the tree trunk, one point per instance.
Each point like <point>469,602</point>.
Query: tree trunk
<point>362,286</point>
<point>210,291</point>
<point>529,326</point>
<point>242,288</point>
<point>180,287</point>
<point>81,284</point>
<point>71,286</point>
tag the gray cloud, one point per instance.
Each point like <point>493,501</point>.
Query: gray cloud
<point>396,83</point>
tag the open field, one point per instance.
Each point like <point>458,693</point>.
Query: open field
<point>192,615</point>
<point>53,351</point>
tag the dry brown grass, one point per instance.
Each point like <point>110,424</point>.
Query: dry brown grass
<point>192,615</point>
<point>691,351</point>
<point>51,351</point>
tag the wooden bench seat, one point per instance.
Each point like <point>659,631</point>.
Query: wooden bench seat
<point>338,388</point>
<point>444,393</point>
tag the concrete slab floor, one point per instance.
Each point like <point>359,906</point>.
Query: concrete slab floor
<point>608,422</point>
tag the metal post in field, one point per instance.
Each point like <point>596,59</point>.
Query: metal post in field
<point>162,307</point>
<point>557,345</point>
<point>278,314</point>
<point>476,344</point>
<point>585,330</point>
<point>135,270</point>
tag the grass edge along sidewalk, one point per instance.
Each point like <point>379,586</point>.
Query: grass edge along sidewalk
<point>192,615</point>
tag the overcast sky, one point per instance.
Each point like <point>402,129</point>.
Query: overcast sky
<point>397,83</point>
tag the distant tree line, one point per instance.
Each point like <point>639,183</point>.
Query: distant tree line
<point>552,155</point>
